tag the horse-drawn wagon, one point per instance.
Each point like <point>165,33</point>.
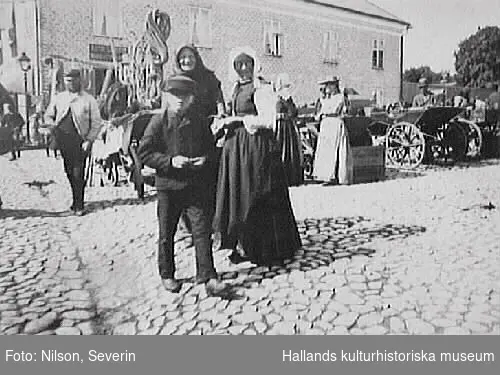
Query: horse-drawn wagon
<point>430,134</point>
<point>410,137</point>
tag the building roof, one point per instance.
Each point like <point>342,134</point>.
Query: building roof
<point>363,7</point>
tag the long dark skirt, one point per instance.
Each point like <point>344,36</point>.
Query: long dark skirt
<point>253,203</point>
<point>288,140</point>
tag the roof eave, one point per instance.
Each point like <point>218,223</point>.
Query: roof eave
<point>401,22</point>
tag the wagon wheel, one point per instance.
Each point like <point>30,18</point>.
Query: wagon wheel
<point>405,145</point>
<point>451,143</point>
<point>307,151</point>
<point>474,137</point>
<point>308,166</point>
<point>137,177</point>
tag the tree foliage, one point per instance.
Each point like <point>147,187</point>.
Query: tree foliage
<point>415,73</point>
<point>477,60</point>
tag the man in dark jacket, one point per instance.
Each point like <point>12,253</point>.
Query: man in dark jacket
<point>14,121</point>
<point>179,145</point>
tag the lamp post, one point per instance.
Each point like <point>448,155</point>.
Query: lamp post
<point>25,63</point>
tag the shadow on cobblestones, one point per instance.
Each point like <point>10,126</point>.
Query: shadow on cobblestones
<point>104,204</point>
<point>24,214</point>
<point>471,163</point>
<point>256,294</point>
<point>423,169</point>
<point>324,241</point>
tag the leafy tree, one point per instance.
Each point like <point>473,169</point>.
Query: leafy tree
<point>415,73</point>
<point>477,60</point>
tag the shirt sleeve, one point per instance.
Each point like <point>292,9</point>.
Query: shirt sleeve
<point>149,150</point>
<point>216,92</point>
<point>19,121</point>
<point>265,102</point>
<point>96,122</point>
<point>50,113</point>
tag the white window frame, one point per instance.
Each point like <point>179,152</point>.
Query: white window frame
<point>380,102</point>
<point>377,55</point>
<point>205,41</point>
<point>331,47</point>
<point>273,38</point>
<point>112,9</point>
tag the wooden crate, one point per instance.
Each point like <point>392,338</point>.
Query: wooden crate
<point>369,163</point>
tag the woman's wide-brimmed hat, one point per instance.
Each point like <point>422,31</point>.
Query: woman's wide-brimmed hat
<point>422,82</point>
<point>333,79</point>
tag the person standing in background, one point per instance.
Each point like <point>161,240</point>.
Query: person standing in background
<point>15,122</point>
<point>493,104</point>
<point>424,98</point>
<point>333,162</point>
<point>76,122</point>
<point>286,132</point>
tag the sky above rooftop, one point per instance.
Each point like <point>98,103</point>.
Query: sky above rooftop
<point>439,25</point>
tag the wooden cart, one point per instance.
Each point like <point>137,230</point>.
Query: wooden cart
<point>436,133</point>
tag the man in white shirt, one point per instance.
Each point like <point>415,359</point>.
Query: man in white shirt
<point>77,121</point>
<point>424,98</point>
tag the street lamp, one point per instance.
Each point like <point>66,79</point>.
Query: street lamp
<point>25,63</point>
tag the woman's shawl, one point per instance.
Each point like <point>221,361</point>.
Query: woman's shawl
<point>265,98</point>
<point>265,102</point>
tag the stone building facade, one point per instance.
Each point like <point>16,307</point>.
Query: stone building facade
<point>309,40</point>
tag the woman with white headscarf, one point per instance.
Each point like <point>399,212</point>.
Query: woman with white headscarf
<point>286,132</point>
<point>253,205</point>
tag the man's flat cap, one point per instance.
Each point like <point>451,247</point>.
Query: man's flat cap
<point>180,84</point>
<point>73,73</point>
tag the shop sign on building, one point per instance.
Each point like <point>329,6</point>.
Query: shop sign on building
<point>102,52</point>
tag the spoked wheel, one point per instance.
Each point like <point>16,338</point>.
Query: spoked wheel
<point>474,137</point>
<point>306,140</point>
<point>451,143</point>
<point>405,145</point>
<point>308,166</point>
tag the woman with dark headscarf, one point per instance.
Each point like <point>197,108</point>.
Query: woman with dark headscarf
<point>189,62</point>
<point>209,99</point>
<point>253,204</point>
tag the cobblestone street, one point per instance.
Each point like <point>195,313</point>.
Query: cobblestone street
<point>416,254</point>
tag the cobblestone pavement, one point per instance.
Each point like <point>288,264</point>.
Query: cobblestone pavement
<point>415,254</point>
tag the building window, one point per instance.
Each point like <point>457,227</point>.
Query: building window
<point>330,47</point>
<point>200,27</point>
<point>273,39</point>
<point>378,97</point>
<point>378,54</point>
<point>107,18</point>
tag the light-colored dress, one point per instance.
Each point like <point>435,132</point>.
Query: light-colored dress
<point>333,159</point>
